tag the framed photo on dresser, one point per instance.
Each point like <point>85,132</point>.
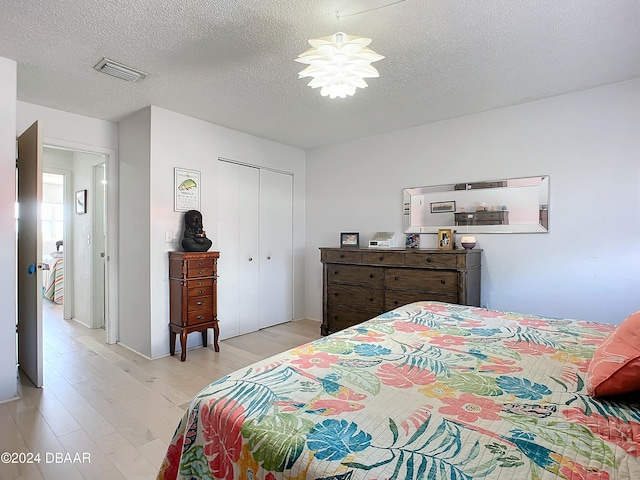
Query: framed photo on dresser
<point>445,239</point>
<point>350,239</point>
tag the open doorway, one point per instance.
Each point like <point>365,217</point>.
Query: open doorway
<point>74,235</point>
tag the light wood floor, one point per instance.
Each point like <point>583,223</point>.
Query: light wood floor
<point>118,407</point>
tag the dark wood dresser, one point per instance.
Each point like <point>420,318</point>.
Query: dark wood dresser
<point>193,297</point>
<point>499,217</point>
<point>360,283</point>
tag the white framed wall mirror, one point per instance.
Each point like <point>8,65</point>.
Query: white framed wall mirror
<point>514,205</point>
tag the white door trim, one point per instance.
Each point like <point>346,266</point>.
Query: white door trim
<point>67,234</point>
<point>112,166</point>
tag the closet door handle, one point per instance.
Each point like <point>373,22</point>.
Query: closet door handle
<point>268,257</point>
<point>251,259</point>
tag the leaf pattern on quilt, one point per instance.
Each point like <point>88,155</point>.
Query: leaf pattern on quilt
<point>473,383</point>
<point>500,352</point>
<point>404,376</point>
<point>522,387</point>
<point>529,335</point>
<point>428,357</point>
<point>277,441</point>
<point>416,419</point>
<point>194,464</point>
<point>435,454</point>
<point>565,434</point>
<point>259,390</point>
<point>361,378</point>
<point>338,347</point>
<point>335,439</point>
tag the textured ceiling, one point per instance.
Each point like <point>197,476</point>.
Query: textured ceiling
<point>232,62</point>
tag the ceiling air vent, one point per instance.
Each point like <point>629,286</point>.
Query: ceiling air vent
<point>119,70</point>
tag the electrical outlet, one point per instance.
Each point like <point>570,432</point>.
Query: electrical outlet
<point>168,236</point>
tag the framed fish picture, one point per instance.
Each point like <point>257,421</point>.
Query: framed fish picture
<point>187,189</point>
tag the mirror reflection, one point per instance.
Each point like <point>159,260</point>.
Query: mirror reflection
<point>515,205</point>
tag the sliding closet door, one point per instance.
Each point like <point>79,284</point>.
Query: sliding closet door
<point>238,266</point>
<point>276,248</point>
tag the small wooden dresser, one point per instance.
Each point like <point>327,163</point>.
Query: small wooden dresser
<point>193,297</point>
<point>361,283</point>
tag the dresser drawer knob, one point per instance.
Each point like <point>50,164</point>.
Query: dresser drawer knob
<point>442,282</point>
<point>371,299</point>
<point>201,263</point>
<point>396,278</point>
<point>200,303</point>
<point>428,259</point>
<point>336,272</point>
<point>200,317</point>
<point>200,291</point>
<point>200,282</point>
<point>371,275</point>
<point>342,255</point>
<point>335,294</point>
<point>396,302</point>
<point>200,272</point>
<point>381,257</point>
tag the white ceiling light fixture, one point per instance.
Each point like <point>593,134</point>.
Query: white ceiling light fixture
<point>119,70</point>
<point>338,64</point>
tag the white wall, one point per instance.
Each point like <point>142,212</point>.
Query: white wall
<point>8,371</point>
<point>181,141</point>
<point>66,128</point>
<point>135,217</point>
<point>586,267</point>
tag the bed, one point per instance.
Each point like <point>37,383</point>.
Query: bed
<point>429,390</point>
<point>53,286</point>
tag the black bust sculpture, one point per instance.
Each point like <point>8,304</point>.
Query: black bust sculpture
<point>195,238</point>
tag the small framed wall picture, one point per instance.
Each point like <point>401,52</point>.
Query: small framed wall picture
<point>443,207</point>
<point>350,239</point>
<point>186,189</point>
<point>81,202</point>
<point>445,239</point>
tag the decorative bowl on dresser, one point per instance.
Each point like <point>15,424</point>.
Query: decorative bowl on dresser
<point>193,297</point>
<point>360,283</point>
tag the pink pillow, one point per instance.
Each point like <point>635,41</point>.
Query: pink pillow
<point>615,366</point>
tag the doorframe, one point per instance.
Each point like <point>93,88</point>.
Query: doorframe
<point>67,234</point>
<point>112,172</point>
<point>98,226</point>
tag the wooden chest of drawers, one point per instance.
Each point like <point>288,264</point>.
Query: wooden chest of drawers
<point>360,283</point>
<point>500,217</point>
<point>193,297</point>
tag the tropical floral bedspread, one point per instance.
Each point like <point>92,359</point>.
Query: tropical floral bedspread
<point>429,390</point>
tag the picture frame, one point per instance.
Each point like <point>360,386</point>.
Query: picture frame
<point>81,202</point>
<point>445,239</point>
<point>443,207</point>
<point>186,184</point>
<point>412,240</point>
<point>349,239</point>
